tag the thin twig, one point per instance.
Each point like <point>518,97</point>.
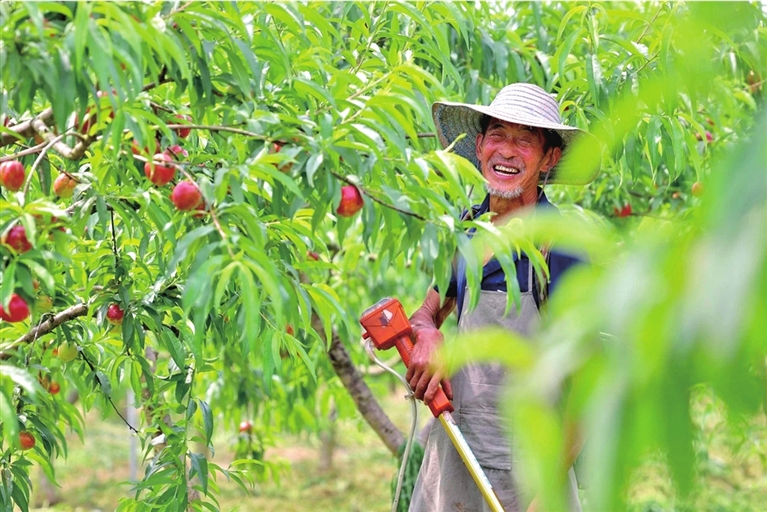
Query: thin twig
<point>183,7</point>
<point>220,230</point>
<point>39,159</point>
<point>377,200</point>
<point>70,153</point>
<point>649,24</point>
<point>23,152</point>
<point>114,240</point>
<point>108,397</point>
<point>152,85</point>
<point>425,135</point>
<point>647,62</point>
<point>214,128</point>
<point>157,106</point>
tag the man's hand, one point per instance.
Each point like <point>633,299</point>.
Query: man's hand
<point>420,374</point>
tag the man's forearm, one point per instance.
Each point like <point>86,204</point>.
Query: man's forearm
<point>426,340</point>
<point>431,314</point>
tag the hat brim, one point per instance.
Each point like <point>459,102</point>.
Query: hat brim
<point>454,119</point>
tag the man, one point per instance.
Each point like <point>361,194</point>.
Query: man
<point>517,143</point>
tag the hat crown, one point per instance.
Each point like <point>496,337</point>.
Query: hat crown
<point>522,101</point>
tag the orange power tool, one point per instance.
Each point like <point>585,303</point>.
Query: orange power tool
<point>387,326</point>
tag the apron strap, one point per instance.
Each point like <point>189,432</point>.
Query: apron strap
<point>540,290</point>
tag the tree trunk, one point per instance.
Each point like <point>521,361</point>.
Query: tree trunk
<point>49,492</point>
<point>328,442</point>
<point>367,404</point>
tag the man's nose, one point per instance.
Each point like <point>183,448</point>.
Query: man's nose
<point>508,149</point>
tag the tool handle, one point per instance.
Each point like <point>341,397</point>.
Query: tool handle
<point>440,403</point>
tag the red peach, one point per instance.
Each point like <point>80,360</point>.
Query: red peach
<point>161,174</point>
<point>351,201</point>
<point>115,314</point>
<point>183,132</point>
<point>64,185</point>
<point>26,440</point>
<point>16,238</point>
<point>12,175</point>
<point>186,195</point>
<point>18,310</point>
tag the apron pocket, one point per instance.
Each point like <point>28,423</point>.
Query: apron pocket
<point>487,438</point>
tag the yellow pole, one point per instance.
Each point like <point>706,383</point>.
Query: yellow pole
<point>471,461</point>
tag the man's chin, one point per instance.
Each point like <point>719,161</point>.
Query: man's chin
<point>503,193</point>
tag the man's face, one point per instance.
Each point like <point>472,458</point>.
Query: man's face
<point>512,157</point>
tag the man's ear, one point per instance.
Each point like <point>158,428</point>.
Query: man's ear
<point>478,145</point>
<point>552,158</point>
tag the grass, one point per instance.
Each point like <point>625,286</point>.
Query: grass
<point>732,470</point>
<point>95,475</point>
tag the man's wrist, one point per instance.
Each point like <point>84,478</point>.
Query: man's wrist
<point>423,329</point>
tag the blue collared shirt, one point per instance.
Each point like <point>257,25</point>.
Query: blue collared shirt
<point>493,277</point>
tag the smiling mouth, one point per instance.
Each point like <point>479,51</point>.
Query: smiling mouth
<point>505,171</point>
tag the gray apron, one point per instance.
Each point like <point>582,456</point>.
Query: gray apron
<point>444,484</point>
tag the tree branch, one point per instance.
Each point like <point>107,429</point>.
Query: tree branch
<point>61,148</point>
<point>366,403</point>
<point>24,130</point>
<point>49,325</point>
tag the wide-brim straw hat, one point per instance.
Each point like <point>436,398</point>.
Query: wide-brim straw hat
<point>521,103</point>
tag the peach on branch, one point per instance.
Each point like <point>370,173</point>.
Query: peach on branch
<point>64,185</point>
<point>186,196</point>
<point>351,201</point>
<point>17,310</point>
<point>177,152</point>
<point>26,440</point>
<point>16,239</point>
<point>67,351</point>
<point>625,211</point>
<point>115,314</point>
<point>12,175</point>
<point>158,173</point>
<point>183,132</point>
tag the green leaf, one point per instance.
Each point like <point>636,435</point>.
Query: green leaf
<point>200,468</point>
<point>8,416</point>
<point>207,420</point>
<point>250,309</point>
<point>312,164</point>
<point>20,377</point>
<point>182,247</point>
